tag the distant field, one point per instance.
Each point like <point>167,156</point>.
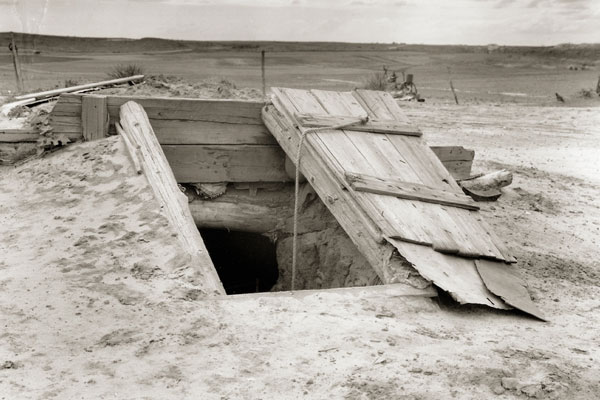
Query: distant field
<point>477,76</point>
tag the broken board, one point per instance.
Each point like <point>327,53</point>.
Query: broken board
<point>404,199</point>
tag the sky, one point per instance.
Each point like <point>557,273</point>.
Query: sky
<point>474,22</point>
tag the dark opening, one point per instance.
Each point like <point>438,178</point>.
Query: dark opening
<point>246,262</point>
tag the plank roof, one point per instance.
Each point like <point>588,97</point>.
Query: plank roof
<point>394,189</point>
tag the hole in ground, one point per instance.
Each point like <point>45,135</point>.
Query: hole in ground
<point>246,262</point>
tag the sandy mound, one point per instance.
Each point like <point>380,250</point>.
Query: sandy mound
<point>172,86</point>
<point>84,217</point>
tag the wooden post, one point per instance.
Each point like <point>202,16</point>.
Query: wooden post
<point>94,117</point>
<point>17,64</point>
<point>453,92</point>
<point>262,68</point>
<point>452,86</point>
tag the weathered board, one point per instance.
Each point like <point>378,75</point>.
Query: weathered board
<point>222,130</point>
<point>222,163</point>
<point>391,157</point>
<point>145,149</point>
<point>94,117</point>
<point>503,281</point>
<point>420,230</point>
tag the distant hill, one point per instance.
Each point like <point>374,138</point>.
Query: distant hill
<point>29,43</point>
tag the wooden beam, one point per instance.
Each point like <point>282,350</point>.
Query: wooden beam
<point>18,135</point>
<point>207,110</point>
<point>140,135</point>
<point>220,128</point>
<point>453,153</point>
<point>56,92</point>
<point>16,63</point>
<point>241,163</point>
<point>409,191</point>
<point>94,117</point>
<point>390,127</point>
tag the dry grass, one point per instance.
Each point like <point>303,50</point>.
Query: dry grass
<point>125,70</point>
<point>376,81</point>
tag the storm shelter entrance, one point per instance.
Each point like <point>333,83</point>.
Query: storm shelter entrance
<point>246,262</point>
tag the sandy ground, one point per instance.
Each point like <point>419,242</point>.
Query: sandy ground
<point>95,302</point>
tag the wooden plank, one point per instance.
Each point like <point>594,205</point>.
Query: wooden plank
<point>370,153</point>
<point>458,169</point>
<point>138,130</point>
<point>134,150</point>
<point>216,163</point>
<point>371,125</point>
<point>56,92</point>
<point>94,117</point>
<point>327,146</point>
<point>209,110</point>
<point>453,153</point>
<point>450,227</point>
<point>409,191</point>
<point>455,275</point>
<point>18,135</point>
<point>503,280</point>
<point>361,230</point>
<point>203,132</point>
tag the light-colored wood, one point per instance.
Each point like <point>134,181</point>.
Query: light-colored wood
<point>361,230</point>
<point>428,230</point>
<point>449,228</point>
<point>460,169</point>
<point>453,153</point>
<point>455,275</point>
<point>239,163</point>
<point>208,110</point>
<point>387,293</point>
<point>493,180</point>
<point>133,150</point>
<point>56,92</point>
<point>94,117</point>
<point>184,132</point>
<point>372,125</point>
<point>238,209</point>
<point>209,164</point>
<point>503,281</point>
<point>408,190</point>
<point>173,203</point>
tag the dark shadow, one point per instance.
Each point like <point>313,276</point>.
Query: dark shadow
<point>246,262</point>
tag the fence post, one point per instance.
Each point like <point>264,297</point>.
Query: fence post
<point>262,68</point>
<point>17,64</point>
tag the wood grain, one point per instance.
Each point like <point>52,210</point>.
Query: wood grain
<point>144,144</point>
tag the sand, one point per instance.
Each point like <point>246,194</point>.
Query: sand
<point>96,302</point>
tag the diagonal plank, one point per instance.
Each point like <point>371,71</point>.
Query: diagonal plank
<point>149,158</point>
<point>409,191</point>
<point>471,238</point>
<point>317,168</point>
<point>397,189</point>
<point>371,125</point>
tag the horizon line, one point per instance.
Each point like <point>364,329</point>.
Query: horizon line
<point>296,41</point>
